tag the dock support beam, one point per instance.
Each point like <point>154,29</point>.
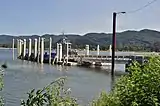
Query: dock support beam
<point>24,48</point>
<point>50,49</point>
<point>35,48</point>
<point>29,49</point>
<point>87,50</point>
<point>57,53</point>
<point>67,53</point>
<point>42,50</point>
<point>39,43</point>
<point>110,50</point>
<point>13,48</point>
<point>18,48</point>
<point>60,52</point>
<point>97,50</point>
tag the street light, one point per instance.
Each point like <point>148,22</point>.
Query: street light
<point>114,39</point>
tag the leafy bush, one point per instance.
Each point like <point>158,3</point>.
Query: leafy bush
<point>1,86</point>
<point>52,95</point>
<point>106,100</point>
<point>140,88</point>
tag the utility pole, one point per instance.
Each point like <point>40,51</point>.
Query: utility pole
<point>113,42</point>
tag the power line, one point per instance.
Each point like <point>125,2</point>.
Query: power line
<point>141,8</point>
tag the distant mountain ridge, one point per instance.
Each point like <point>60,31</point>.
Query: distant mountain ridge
<point>145,37</point>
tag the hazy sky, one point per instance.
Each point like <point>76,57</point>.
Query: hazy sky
<point>74,16</point>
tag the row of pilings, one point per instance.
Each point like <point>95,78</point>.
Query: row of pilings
<point>37,54</point>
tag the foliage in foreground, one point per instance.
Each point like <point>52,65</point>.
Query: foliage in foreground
<point>140,88</point>
<point>52,95</point>
<point>1,86</point>
<point>106,100</point>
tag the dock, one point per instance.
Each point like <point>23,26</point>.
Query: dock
<point>64,55</point>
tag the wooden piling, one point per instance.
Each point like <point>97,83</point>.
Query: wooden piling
<point>39,43</point>
<point>13,49</point>
<point>24,48</point>
<point>29,48</point>
<point>42,50</point>
<point>50,49</point>
<point>35,48</point>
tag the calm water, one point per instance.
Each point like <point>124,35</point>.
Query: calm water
<point>22,76</point>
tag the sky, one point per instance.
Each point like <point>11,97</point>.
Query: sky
<point>26,17</point>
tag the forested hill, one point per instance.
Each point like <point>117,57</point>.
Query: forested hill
<point>142,39</point>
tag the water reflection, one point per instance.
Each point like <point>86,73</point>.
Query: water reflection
<point>59,67</point>
<point>112,81</point>
<point>41,67</point>
<point>67,68</point>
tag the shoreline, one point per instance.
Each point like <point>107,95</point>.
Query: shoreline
<point>102,51</point>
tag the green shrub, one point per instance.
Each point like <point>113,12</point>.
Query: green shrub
<point>52,95</point>
<point>106,100</point>
<point>140,88</point>
<point>1,87</point>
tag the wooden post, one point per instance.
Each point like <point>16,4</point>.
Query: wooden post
<point>97,50</point>
<point>13,48</point>
<point>39,43</point>
<point>29,48</point>
<point>57,52</point>
<point>67,53</point>
<point>87,50</point>
<point>20,47</point>
<point>17,47</point>
<point>60,52</point>
<point>24,48</point>
<point>42,50</point>
<point>35,48</point>
<point>50,49</point>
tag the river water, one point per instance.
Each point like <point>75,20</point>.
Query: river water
<point>22,76</point>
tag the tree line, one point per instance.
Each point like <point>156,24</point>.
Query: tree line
<point>128,47</point>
